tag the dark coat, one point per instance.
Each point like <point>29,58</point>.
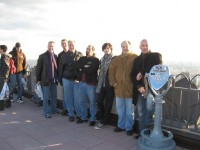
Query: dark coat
<point>4,70</point>
<point>4,67</point>
<point>90,72</point>
<point>66,67</point>
<point>42,68</point>
<point>143,63</point>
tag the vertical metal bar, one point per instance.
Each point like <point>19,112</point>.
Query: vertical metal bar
<point>180,104</point>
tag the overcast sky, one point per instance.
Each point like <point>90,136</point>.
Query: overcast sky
<point>171,26</point>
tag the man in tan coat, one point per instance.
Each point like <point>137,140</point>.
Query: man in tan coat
<point>120,79</point>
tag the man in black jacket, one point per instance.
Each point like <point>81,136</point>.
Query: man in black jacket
<point>65,49</point>
<point>46,75</point>
<point>88,67</point>
<point>142,65</point>
<point>68,78</point>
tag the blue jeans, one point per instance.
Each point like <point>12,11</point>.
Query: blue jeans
<point>125,112</point>
<point>87,92</point>
<point>49,92</point>
<point>12,83</point>
<point>68,95</point>
<point>77,98</point>
<point>64,105</point>
<point>145,110</point>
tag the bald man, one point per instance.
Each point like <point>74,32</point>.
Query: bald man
<point>142,95</point>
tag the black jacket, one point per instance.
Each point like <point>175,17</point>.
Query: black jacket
<point>4,67</point>
<point>42,68</point>
<point>91,71</point>
<point>66,67</point>
<point>143,63</point>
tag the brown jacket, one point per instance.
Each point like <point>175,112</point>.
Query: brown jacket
<point>19,60</point>
<point>119,75</point>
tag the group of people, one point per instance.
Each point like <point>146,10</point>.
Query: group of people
<point>12,70</point>
<point>85,78</point>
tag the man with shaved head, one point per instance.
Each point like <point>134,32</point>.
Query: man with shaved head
<point>142,95</point>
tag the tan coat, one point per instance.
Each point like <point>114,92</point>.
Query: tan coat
<point>119,75</point>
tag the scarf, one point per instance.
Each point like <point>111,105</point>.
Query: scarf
<point>52,67</point>
<point>103,71</point>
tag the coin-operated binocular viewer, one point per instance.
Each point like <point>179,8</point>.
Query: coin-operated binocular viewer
<point>159,80</point>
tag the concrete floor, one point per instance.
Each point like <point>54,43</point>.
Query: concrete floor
<point>23,127</point>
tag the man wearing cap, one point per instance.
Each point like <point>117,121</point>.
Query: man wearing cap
<point>19,59</point>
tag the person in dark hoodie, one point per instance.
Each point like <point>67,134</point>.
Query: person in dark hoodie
<point>143,96</point>
<point>46,75</point>
<point>19,59</point>
<point>88,67</point>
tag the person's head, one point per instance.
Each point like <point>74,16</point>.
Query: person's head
<point>107,48</point>
<point>51,46</point>
<point>144,46</point>
<point>71,45</point>
<point>18,46</point>
<point>90,51</point>
<point>126,47</point>
<point>3,49</point>
<point>64,44</point>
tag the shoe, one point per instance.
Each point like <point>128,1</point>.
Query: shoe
<point>137,136</point>
<point>81,121</point>
<point>117,129</point>
<point>78,118</point>
<point>129,132</point>
<point>71,118</point>
<point>99,126</point>
<point>11,98</point>
<point>92,123</point>
<point>47,116</point>
<point>40,104</point>
<point>63,112</point>
<point>20,101</point>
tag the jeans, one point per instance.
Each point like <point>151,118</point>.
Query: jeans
<point>145,110</point>
<point>125,111</point>
<point>68,95</point>
<point>87,92</point>
<point>64,104</point>
<point>13,79</point>
<point>77,98</point>
<point>50,92</point>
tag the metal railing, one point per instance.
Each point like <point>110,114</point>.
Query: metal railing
<point>182,104</point>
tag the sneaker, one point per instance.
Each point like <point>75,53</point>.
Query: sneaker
<point>20,101</point>
<point>99,126</point>
<point>92,123</point>
<point>11,98</point>
<point>47,116</point>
